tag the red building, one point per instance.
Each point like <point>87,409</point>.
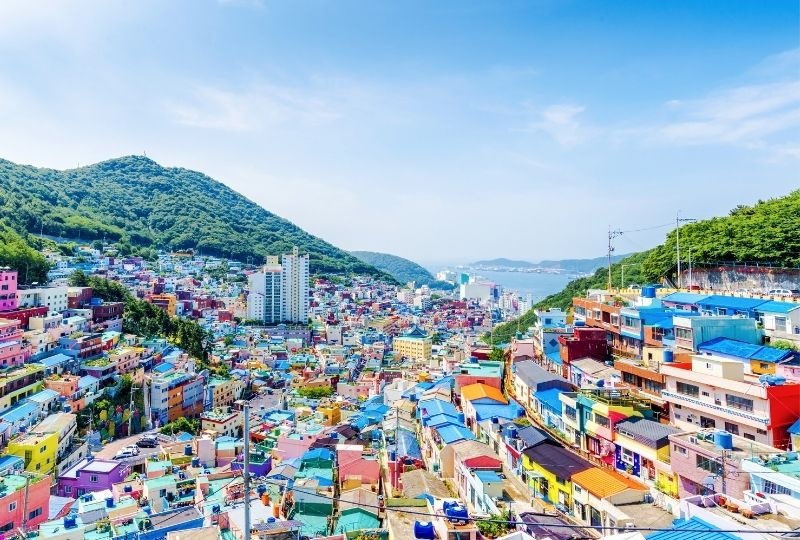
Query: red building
<point>23,315</point>
<point>78,297</point>
<point>107,311</point>
<point>584,342</point>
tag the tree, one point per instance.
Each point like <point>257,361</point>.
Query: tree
<point>497,354</point>
<point>189,425</point>
<point>497,524</point>
<point>315,392</point>
<point>784,344</point>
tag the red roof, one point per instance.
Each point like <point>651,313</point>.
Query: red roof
<point>483,462</point>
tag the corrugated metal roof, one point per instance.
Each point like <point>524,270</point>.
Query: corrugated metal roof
<point>648,432</point>
<point>477,391</point>
<point>773,306</point>
<point>687,530</point>
<point>602,483</point>
<point>684,298</point>
<point>559,461</point>
<point>747,351</point>
<point>732,302</point>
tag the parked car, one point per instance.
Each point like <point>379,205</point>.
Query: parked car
<point>779,292</point>
<point>125,453</point>
<point>147,442</point>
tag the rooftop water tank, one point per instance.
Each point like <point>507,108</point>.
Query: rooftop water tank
<point>424,530</point>
<point>600,383</point>
<point>109,502</point>
<point>196,462</point>
<point>70,522</point>
<point>457,514</point>
<point>128,488</point>
<point>579,323</point>
<point>669,357</point>
<point>723,440</point>
<point>648,291</point>
<point>512,432</point>
<point>215,509</point>
<point>261,489</point>
<point>187,450</point>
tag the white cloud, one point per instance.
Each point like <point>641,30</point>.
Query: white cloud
<point>251,109</point>
<point>761,112</point>
<point>562,123</point>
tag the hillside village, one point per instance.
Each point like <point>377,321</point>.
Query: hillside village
<point>373,410</point>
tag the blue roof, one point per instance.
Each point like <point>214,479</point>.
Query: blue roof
<point>55,360</point>
<point>18,413</point>
<point>550,398</point>
<point>773,306</point>
<point>407,445</point>
<point>44,396</point>
<point>452,433</point>
<point>686,530</point>
<point>739,349</point>
<point>87,380</point>
<point>432,407</point>
<point>163,367</point>
<point>684,298</point>
<point>442,419</point>
<point>510,411</point>
<point>318,453</point>
<point>488,476</point>
<point>732,302</point>
<point>794,429</point>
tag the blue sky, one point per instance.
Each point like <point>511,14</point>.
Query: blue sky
<point>439,131</point>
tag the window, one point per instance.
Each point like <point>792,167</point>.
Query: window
<point>709,464</point>
<point>570,412</point>
<point>35,513</point>
<point>7,526</point>
<point>627,456</point>
<point>705,394</point>
<point>683,333</point>
<point>601,420</point>
<point>736,402</point>
<point>749,436</point>
<point>732,428</point>
<point>68,489</point>
<point>706,422</point>
<point>688,389</point>
<point>93,478</point>
<point>12,506</point>
<point>761,431</point>
<point>679,450</point>
<point>772,487</point>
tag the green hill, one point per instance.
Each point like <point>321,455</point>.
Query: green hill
<point>137,202</point>
<point>767,232</point>
<point>399,268</point>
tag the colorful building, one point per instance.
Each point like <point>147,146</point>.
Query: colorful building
<point>548,470</point>
<point>24,500</point>
<point>415,344</point>
<point>39,450</point>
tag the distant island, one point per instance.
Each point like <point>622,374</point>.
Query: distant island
<point>565,266</point>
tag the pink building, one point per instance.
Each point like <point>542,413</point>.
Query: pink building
<point>8,289</point>
<point>13,352</point>
<point>355,468</point>
<point>24,494</point>
<point>293,446</point>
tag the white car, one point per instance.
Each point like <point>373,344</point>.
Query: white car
<point>779,292</point>
<point>125,453</point>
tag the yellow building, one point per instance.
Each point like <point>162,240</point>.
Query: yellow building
<point>20,383</point>
<point>225,391</point>
<point>548,471</point>
<point>37,449</point>
<point>414,344</point>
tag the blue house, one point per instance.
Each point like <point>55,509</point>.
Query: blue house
<point>729,305</point>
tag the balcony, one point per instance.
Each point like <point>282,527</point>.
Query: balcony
<point>723,411</point>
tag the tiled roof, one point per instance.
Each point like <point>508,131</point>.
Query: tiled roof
<point>602,483</point>
<point>483,462</point>
<point>648,432</point>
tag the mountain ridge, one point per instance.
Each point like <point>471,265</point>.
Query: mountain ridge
<point>400,268</point>
<point>136,201</point>
<point>579,266</point>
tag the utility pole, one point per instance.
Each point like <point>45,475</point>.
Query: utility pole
<point>130,411</point>
<point>678,221</point>
<point>611,236</point>
<point>246,412</point>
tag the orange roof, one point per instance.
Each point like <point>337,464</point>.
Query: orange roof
<point>471,392</point>
<point>604,483</point>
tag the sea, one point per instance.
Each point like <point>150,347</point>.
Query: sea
<point>526,283</point>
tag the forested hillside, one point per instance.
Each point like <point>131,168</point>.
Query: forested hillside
<point>399,268</point>
<point>767,232</point>
<point>136,201</point>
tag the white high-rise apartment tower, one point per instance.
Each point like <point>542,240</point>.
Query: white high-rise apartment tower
<point>294,286</point>
<point>265,299</point>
